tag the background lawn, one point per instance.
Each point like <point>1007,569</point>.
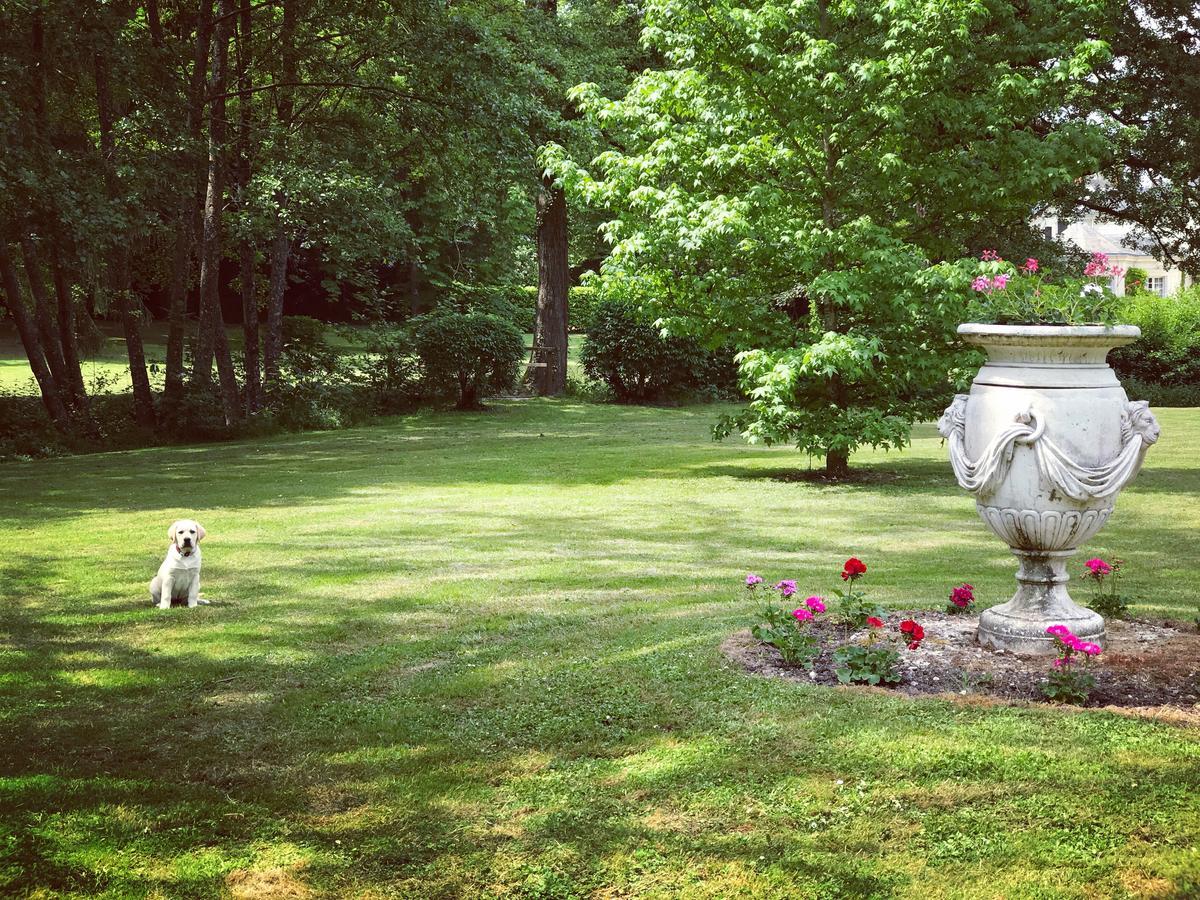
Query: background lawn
<point>462,655</point>
<point>108,370</point>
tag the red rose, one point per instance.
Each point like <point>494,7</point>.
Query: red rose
<point>874,622</point>
<point>854,568</point>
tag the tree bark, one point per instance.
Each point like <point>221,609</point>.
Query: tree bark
<point>246,253</point>
<point>44,316</point>
<point>550,328</point>
<point>273,343</point>
<point>69,339</point>
<point>837,463</point>
<point>27,330</point>
<point>143,399</point>
<point>547,372</point>
<point>212,341</point>
<point>281,244</point>
<point>188,212</point>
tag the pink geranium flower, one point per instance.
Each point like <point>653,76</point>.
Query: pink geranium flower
<point>1031,266</point>
<point>1098,566</point>
<point>752,580</point>
<point>787,587</point>
<point>802,614</point>
<point>816,604</point>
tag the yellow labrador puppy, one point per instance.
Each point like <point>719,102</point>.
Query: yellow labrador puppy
<point>178,577</point>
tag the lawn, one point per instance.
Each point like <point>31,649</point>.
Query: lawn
<point>477,655</point>
<point>108,369</point>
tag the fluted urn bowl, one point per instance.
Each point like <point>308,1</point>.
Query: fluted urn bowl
<point>1045,440</point>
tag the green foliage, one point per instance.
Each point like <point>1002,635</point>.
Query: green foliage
<point>874,663</point>
<point>1007,294</point>
<point>1068,684</point>
<point>1163,366</point>
<point>1135,280</point>
<point>795,643</point>
<point>785,178</point>
<point>854,608</point>
<point>640,364</point>
<point>469,355</point>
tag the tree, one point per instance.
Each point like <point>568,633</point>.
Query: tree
<point>1148,97</point>
<point>784,183</point>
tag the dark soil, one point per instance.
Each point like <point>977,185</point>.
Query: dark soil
<point>1145,664</point>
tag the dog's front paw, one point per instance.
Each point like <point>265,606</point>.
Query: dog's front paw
<point>164,604</point>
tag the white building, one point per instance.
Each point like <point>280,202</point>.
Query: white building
<point>1109,238</point>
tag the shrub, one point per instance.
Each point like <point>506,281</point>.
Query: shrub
<point>788,630</point>
<point>1164,365</point>
<point>640,365</point>
<point>1069,681</point>
<point>1106,600</point>
<point>468,355</point>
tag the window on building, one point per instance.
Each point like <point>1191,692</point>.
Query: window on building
<point>1048,232</point>
<point>1157,284</point>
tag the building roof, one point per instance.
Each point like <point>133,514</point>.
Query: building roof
<point>1107,239</point>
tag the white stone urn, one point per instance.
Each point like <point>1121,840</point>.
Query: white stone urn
<point>1045,441</point>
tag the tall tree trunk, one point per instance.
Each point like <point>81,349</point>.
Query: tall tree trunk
<point>188,212</point>
<point>143,399</point>
<point>246,252</point>
<point>69,339</point>
<point>273,340</point>
<point>212,339</point>
<point>548,370</point>
<point>43,313</point>
<point>281,243</point>
<point>27,330</point>
<point>131,323</point>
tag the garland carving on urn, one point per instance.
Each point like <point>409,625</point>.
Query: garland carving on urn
<point>1045,441</point>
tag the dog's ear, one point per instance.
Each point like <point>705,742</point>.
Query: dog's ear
<point>200,532</point>
<point>171,532</point>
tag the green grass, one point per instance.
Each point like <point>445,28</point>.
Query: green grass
<point>108,370</point>
<point>476,655</point>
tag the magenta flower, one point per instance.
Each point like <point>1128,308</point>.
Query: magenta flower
<point>1098,566</point>
<point>816,604</point>
<point>802,614</point>
<point>1031,266</point>
<point>752,580</point>
<point>787,587</point>
<point>1058,631</point>
<point>1000,281</point>
<point>1089,648</point>
<point>1062,661</point>
<point>982,284</point>
<point>989,256</point>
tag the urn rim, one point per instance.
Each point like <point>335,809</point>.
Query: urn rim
<point>982,333</point>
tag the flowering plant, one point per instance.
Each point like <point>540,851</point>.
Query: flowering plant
<point>1069,681</point>
<point>854,608</point>
<point>876,659</point>
<point>789,631</point>
<point>1005,293</point>
<point>961,599</point>
<point>1106,602</point>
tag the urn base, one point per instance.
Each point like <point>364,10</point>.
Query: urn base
<point>1041,600</point>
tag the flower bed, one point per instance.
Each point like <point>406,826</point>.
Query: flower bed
<point>1143,665</point>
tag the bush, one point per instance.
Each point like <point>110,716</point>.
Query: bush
<point>468,355</point>
<point>640,365</point>
<point>1164,365</point>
